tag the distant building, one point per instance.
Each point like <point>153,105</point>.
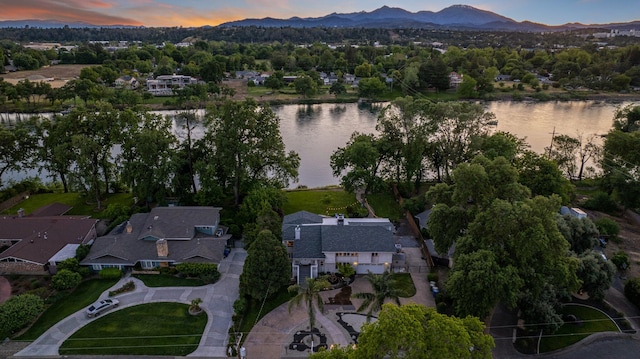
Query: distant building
<point>164,85</point>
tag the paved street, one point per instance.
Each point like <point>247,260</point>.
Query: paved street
<point>217,298</point>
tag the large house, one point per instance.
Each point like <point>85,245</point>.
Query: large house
<point>165,236</point>
<point>318,244</point>
<point>37,242</point>
<point>164,85</point>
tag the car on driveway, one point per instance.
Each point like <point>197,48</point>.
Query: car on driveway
<point>98,307</point>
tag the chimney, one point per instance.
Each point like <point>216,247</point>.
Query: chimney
<point>162,246</point>
<point>297,233</point>
<point>129,227</point>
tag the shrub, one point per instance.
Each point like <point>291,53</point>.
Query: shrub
<point>240,306</point>
<point>65,279</point>
<point>621,260</point>
<point>82,251</point>
<point>601,201</point>
<point>70,264</point>
<point>84,271</point>
<point>346,270</point>
<point>18,311</point>
<point>41,292</point>
<point>197,269</point>
<point>607,226</point>
<point>632,291</point>
<point>110,273</point>
<point>127,287</point>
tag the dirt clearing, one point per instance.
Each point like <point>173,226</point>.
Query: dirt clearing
<point>56,75</point>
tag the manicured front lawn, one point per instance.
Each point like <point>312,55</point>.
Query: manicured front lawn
<point>76,200</point>
<point>66,304</point>
<point>146,329</point>
<point>319,201</point>
<point>404,282</point>
<point>591,321</point>
<point>165,280</point>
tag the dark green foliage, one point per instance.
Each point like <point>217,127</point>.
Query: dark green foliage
<point>602,202</point>
<point>82,251</point>
<point>110,273</point>
<point>621,260</point>
<point>266,269</point>
<point>197,269</point>
<point>632,291</point>
<point>65,279</point>
<point>70,264</point>
<point>607,227</point>
<point>581,233</point>
<point>18,311</point>
<point>595,273</point>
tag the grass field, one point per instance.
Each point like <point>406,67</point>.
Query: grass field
<point>404,283</point>
<point>81,204</point>
<point>84,294</point>
<point>591,321</point>
<point>385,205</point>
<point>321,201</point>
<point>146,329</point>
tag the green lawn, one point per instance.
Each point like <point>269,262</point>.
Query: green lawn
<point>78,201</point>
<point>405,284</point>
<point>85,294</point>
<point>319,201</point>
<point>146,329</point>
<point>592,321</point>
<point>165,280</point>
<point>385,205</point>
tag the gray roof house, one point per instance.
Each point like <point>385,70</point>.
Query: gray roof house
<point>318,244</point>
<point>165,236</point>
<point>36,242</point>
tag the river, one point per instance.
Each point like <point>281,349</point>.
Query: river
<point>316,131</point>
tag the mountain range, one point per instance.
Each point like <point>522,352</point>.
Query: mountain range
<point>456,17</point>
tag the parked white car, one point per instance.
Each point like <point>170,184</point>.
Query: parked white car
<point>98,307</point>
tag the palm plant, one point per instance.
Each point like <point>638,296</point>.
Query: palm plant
<point>309,295</point>
<point>384,287</point>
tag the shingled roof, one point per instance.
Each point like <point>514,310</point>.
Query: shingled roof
<point>37,239</point>
<point>320,234</point>
<point>135,240</point>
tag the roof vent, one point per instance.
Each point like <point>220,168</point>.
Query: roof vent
<point>129,227</point>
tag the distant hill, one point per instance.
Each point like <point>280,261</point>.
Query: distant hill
<point>53,24</point>
<point>455,17</point>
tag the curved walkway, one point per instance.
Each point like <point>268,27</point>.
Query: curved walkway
<point>217,299</point>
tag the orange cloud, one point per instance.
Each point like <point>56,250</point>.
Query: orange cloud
<point>69,10</point>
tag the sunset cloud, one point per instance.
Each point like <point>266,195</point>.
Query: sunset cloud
<point>91,11</point>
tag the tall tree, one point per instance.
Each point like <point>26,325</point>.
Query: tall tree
<point>267,268</point>
<point>361,160</point>
<point>147,148</point>
<point>16,147</point>
<point>415,331</point>
<point>246,146</point>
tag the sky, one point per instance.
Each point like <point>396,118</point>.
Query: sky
<point>187,13</point>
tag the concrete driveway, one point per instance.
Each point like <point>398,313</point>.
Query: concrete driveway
<point>217,299</point>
